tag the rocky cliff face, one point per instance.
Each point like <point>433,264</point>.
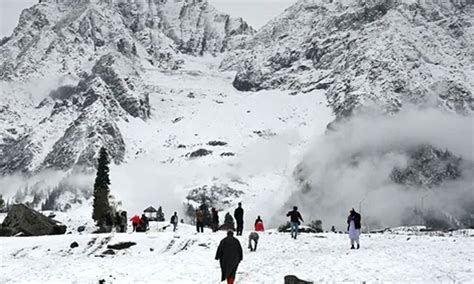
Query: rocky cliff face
<point>72,70</point>
<point>381,54</point>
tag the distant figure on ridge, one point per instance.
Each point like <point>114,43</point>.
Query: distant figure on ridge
<point>215,219</point>
<point>229,253</point>
<point>295,218</point>
<point>253,238</point>
<point>259,225</point>
<point>239,219</point>
<point>199,221</point>
<point>353,226</point>
<point>174,221</point>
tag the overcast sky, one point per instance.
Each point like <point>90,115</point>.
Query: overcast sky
<point>255,12</point>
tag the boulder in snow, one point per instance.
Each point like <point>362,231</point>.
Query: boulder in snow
<point>291,279</point>
<point>121,245</point>
<point>29,222</point>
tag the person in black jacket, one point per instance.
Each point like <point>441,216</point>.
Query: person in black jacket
<point>229,253</point>
<point>239,218</point>
<point>295,218</point>
<point>215,220</point>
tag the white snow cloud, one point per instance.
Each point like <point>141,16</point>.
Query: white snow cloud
<point>351,167</point>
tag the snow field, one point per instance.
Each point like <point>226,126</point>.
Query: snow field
<point>187,257</point>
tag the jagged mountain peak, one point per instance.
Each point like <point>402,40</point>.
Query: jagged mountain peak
<point>103,49</point>
<point>379,53</point>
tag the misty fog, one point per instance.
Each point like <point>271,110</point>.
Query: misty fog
<point>351,166</point>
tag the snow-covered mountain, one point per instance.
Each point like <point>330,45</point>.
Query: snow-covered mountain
<point>91,56</point>
<point>164,86</point>
<point>381,54</point>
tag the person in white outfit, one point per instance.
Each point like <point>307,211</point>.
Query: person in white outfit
<point>353,226</point>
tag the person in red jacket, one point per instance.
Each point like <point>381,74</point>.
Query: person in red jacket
<point>259,225</point>
<point>136,221</point>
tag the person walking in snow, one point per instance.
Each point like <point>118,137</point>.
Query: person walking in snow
<point>135,222</point>
<point>295,218</point>
<point>215,219</point>
<point>123,221</point>
<point>145,223</point>
<point>239,219</point>
<point>353,226</point>
<point>199,221</point>
<point>259,225</point>
<point>253,238</point>
<point>174,221</point>
<point>229,253</point>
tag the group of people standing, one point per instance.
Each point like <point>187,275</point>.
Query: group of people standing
<point>229,252</point>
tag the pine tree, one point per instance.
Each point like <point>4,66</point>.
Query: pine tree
<point>101,205</point>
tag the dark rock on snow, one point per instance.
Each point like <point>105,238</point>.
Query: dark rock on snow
<point>109,252</point>
<point>74,245</point>
<point>199,153</point>
<point>28,222</point>
<point>121,245</point>
<point>291,279</point>
<point>81,228</point>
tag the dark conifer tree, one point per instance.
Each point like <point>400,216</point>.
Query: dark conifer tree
<point>101,206</point>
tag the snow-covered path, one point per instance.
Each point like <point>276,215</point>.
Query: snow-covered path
<point>185,257</point>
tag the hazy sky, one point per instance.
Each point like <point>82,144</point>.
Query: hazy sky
<point>255,12</point>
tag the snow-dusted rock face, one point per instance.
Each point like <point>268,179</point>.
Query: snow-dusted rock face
<point>383,53</point>
<point>92,57</point>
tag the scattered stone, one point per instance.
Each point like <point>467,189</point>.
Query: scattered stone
<point>29,222</point>
<point>199,153</point>
<point>121,245</point>
<point>292,279</point>
<point>178,119</point>
<point>74,245</point>
<point>109,252</point>
<point>227,154</point>
<point>81,228</point>
<point>216,143</point>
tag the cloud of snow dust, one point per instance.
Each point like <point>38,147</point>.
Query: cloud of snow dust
<point>351,166</point>
<point>142,183</point>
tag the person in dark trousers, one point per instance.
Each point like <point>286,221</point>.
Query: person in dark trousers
<point>123,221</point>
<point>215,219</point>
<point>174,221</point>
<point>353,226</point>
<point>145,222</point>
<point>229,253</point>
<point>199,221</point>
<point>253,238</point>
<point>239,218</point>
<point>295,218</point>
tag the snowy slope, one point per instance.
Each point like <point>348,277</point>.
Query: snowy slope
<point>187,257</point>
<point>69,61</point>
